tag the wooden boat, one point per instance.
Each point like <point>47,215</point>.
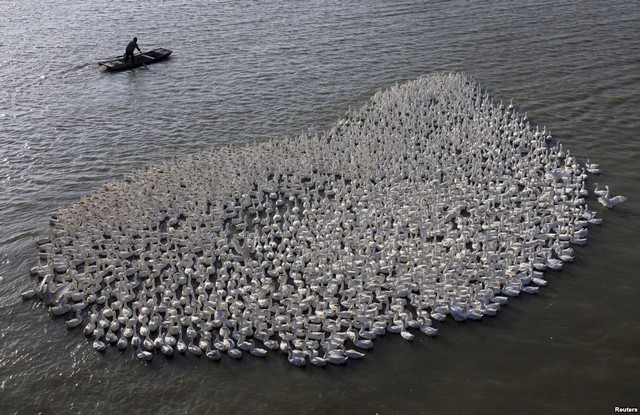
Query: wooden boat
<point>146,58</point>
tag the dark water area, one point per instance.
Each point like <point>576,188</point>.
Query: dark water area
<point>246,71</point>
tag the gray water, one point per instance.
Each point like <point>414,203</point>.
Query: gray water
<point>243,71</point>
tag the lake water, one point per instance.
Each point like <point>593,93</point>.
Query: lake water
<point>248,70</point>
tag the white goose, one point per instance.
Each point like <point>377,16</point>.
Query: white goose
<point>316,360</point>
<point>610,202</point>
<point>144,355</point>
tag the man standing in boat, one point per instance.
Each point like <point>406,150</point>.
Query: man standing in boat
<point>133,45</point>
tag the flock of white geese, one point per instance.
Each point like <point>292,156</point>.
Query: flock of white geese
<point>430,201</point>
